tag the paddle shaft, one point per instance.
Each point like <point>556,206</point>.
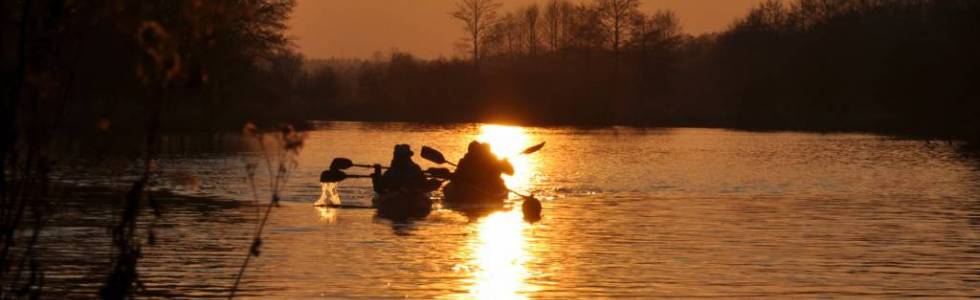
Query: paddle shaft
<point>369,166</point>
<point>363,176</point>
<point>478,189</point>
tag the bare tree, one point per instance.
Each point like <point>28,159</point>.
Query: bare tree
<point>552,24</point>
<point>531,15</point>
<point>505,37</point>
<point>514,38</point>
<point>660,30</point>
<point>557,16</point>
<point>581,28</point>
<point>478,16</point>
<point>770,15</point>
<point>615,18</point>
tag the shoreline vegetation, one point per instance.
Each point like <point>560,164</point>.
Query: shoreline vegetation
<point>897,67</point>
<point>904,67</point>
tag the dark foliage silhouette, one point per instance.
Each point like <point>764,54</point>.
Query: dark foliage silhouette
<point>108,79</point>
<point>895,66</point>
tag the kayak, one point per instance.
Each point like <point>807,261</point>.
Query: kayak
<point>401,205</point>
<point>461,197</point>
<point>345,206</point>
<point>329,197</point>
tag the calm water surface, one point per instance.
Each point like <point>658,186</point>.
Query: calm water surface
<point>627,213</point>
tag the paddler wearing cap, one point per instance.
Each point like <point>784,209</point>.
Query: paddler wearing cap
<point>404,175</point>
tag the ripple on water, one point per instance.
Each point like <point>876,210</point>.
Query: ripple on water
<point>669,213</point>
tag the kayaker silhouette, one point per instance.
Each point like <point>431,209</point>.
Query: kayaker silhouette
<point>404,175</point>
<point>477,178</point>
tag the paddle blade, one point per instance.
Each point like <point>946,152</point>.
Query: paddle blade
<point>332,176</point>
<point>341,163</point>
<point>433,155</point>
<point>533,149</point>
<point>439,173</point>
<point>531,209</point>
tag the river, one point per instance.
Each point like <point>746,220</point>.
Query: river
<point>676,212</point>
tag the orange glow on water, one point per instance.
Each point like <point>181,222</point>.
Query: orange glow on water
<point>499,250</point>
<point>499,255</point>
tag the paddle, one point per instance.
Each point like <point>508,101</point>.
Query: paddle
<point>333,175</point>
<point>533,149</point>
<point>435,156</point>
<point>441,173</point>
<point>342,163</point>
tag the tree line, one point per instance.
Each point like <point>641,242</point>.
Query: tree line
<point>901,66</point>
<point>198,65</point>
<point>883,65</point>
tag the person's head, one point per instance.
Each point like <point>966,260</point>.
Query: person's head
<point>473,147</point>
<point>403,151</point>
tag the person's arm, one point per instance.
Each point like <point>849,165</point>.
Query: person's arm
<point>417,171</point>
<point>506,167</point>
<point>377,180</point>
<point>417,178</point>
<point>432,185</point>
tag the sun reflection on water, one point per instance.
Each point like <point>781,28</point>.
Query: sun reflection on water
<point>500,246</point>
<point>500,254</point>
<point>327,215</point>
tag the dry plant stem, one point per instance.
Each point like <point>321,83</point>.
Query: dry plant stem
<point>275,183</point>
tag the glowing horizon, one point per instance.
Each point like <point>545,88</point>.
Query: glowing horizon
<point>359,29</point>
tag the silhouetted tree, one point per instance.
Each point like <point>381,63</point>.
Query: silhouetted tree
<point>662,29</point>
<point>556,14</point>
<point>114,76</point>
<point>531,14</point>
<point>586,28</point>
<point>477,17</point>
<point>615,16</point>
<point>884,65</point>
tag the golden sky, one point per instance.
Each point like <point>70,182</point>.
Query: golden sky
<point>359,28</point>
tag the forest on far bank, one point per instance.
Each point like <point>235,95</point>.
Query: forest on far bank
<point>896,66</point>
